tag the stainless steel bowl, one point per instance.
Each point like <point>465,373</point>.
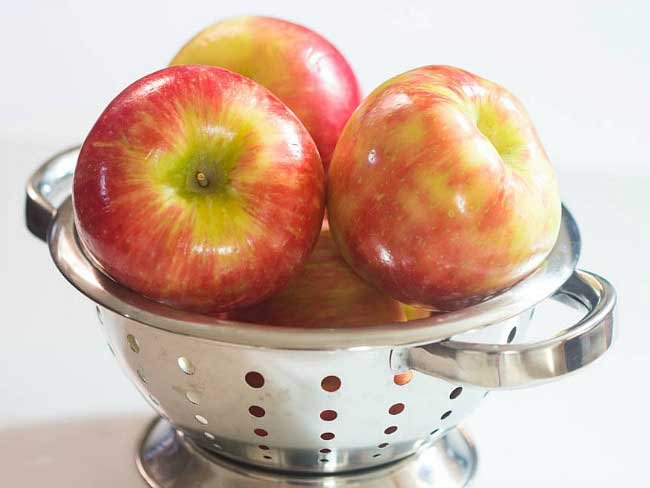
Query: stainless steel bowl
<point>326,400</point>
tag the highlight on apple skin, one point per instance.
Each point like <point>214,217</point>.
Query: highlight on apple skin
<point>440,192</point>
<point>327,293</point>
<point>200,189</point>
<point>298,65</point>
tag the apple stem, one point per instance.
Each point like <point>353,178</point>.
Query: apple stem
<point>202,180</point>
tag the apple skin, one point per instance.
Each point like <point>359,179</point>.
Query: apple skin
<point>298,65</point>
<point>144,216</point>
<point>440,192</point>
<point>327,293</point>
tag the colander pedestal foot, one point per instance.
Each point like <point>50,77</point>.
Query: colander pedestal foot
<point>166,459</point>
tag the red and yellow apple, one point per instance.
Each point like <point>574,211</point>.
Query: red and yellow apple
<point>199,188</point>
<point>327,293</point>
<point>440,192</point>
<point>298,65</point>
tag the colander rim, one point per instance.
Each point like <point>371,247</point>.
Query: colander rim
<point>78,269</point>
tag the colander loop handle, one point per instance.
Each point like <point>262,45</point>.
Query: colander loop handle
<point>497,366</point>
<point>52,179</point>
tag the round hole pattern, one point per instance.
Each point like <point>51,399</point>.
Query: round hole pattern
<point>256,411</point>
<point>325,451</point>
<point>396,409</point>
<point>261,432</point>
<point>209,436</point>
<point>331,383</point>
<point>186,365</point>
<point>328,415</point>
<point>512,335</point>
<point>133,343</point>
<point>141,376</point>
<point>263,447</point>
<point>445,415</point>
<point>201,419</point>
<point>327,436</point>
<point>383,445</point>
<point>390,430</point>
<point>402,379</point>
<point>254,379</point>
<point>455,393</point>
<point>192,397</point>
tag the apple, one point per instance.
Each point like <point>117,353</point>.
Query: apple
<point>440,192</point>
<point>327,293</point>
<point>200,189</point>
<point>414,313</point>
<point>298,65</point>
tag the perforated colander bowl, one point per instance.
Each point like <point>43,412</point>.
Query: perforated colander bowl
<point>326,400</point>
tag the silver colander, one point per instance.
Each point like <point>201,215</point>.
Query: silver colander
<point>325,400</point>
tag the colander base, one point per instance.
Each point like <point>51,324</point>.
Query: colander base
<point>166,459</point>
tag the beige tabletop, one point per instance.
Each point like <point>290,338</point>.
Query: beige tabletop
<point>97,453</point>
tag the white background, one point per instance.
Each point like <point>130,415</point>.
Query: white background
<point>581,68</point>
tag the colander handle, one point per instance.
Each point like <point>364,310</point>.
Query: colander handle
<point>493,366</point>
<point>52,179</point>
